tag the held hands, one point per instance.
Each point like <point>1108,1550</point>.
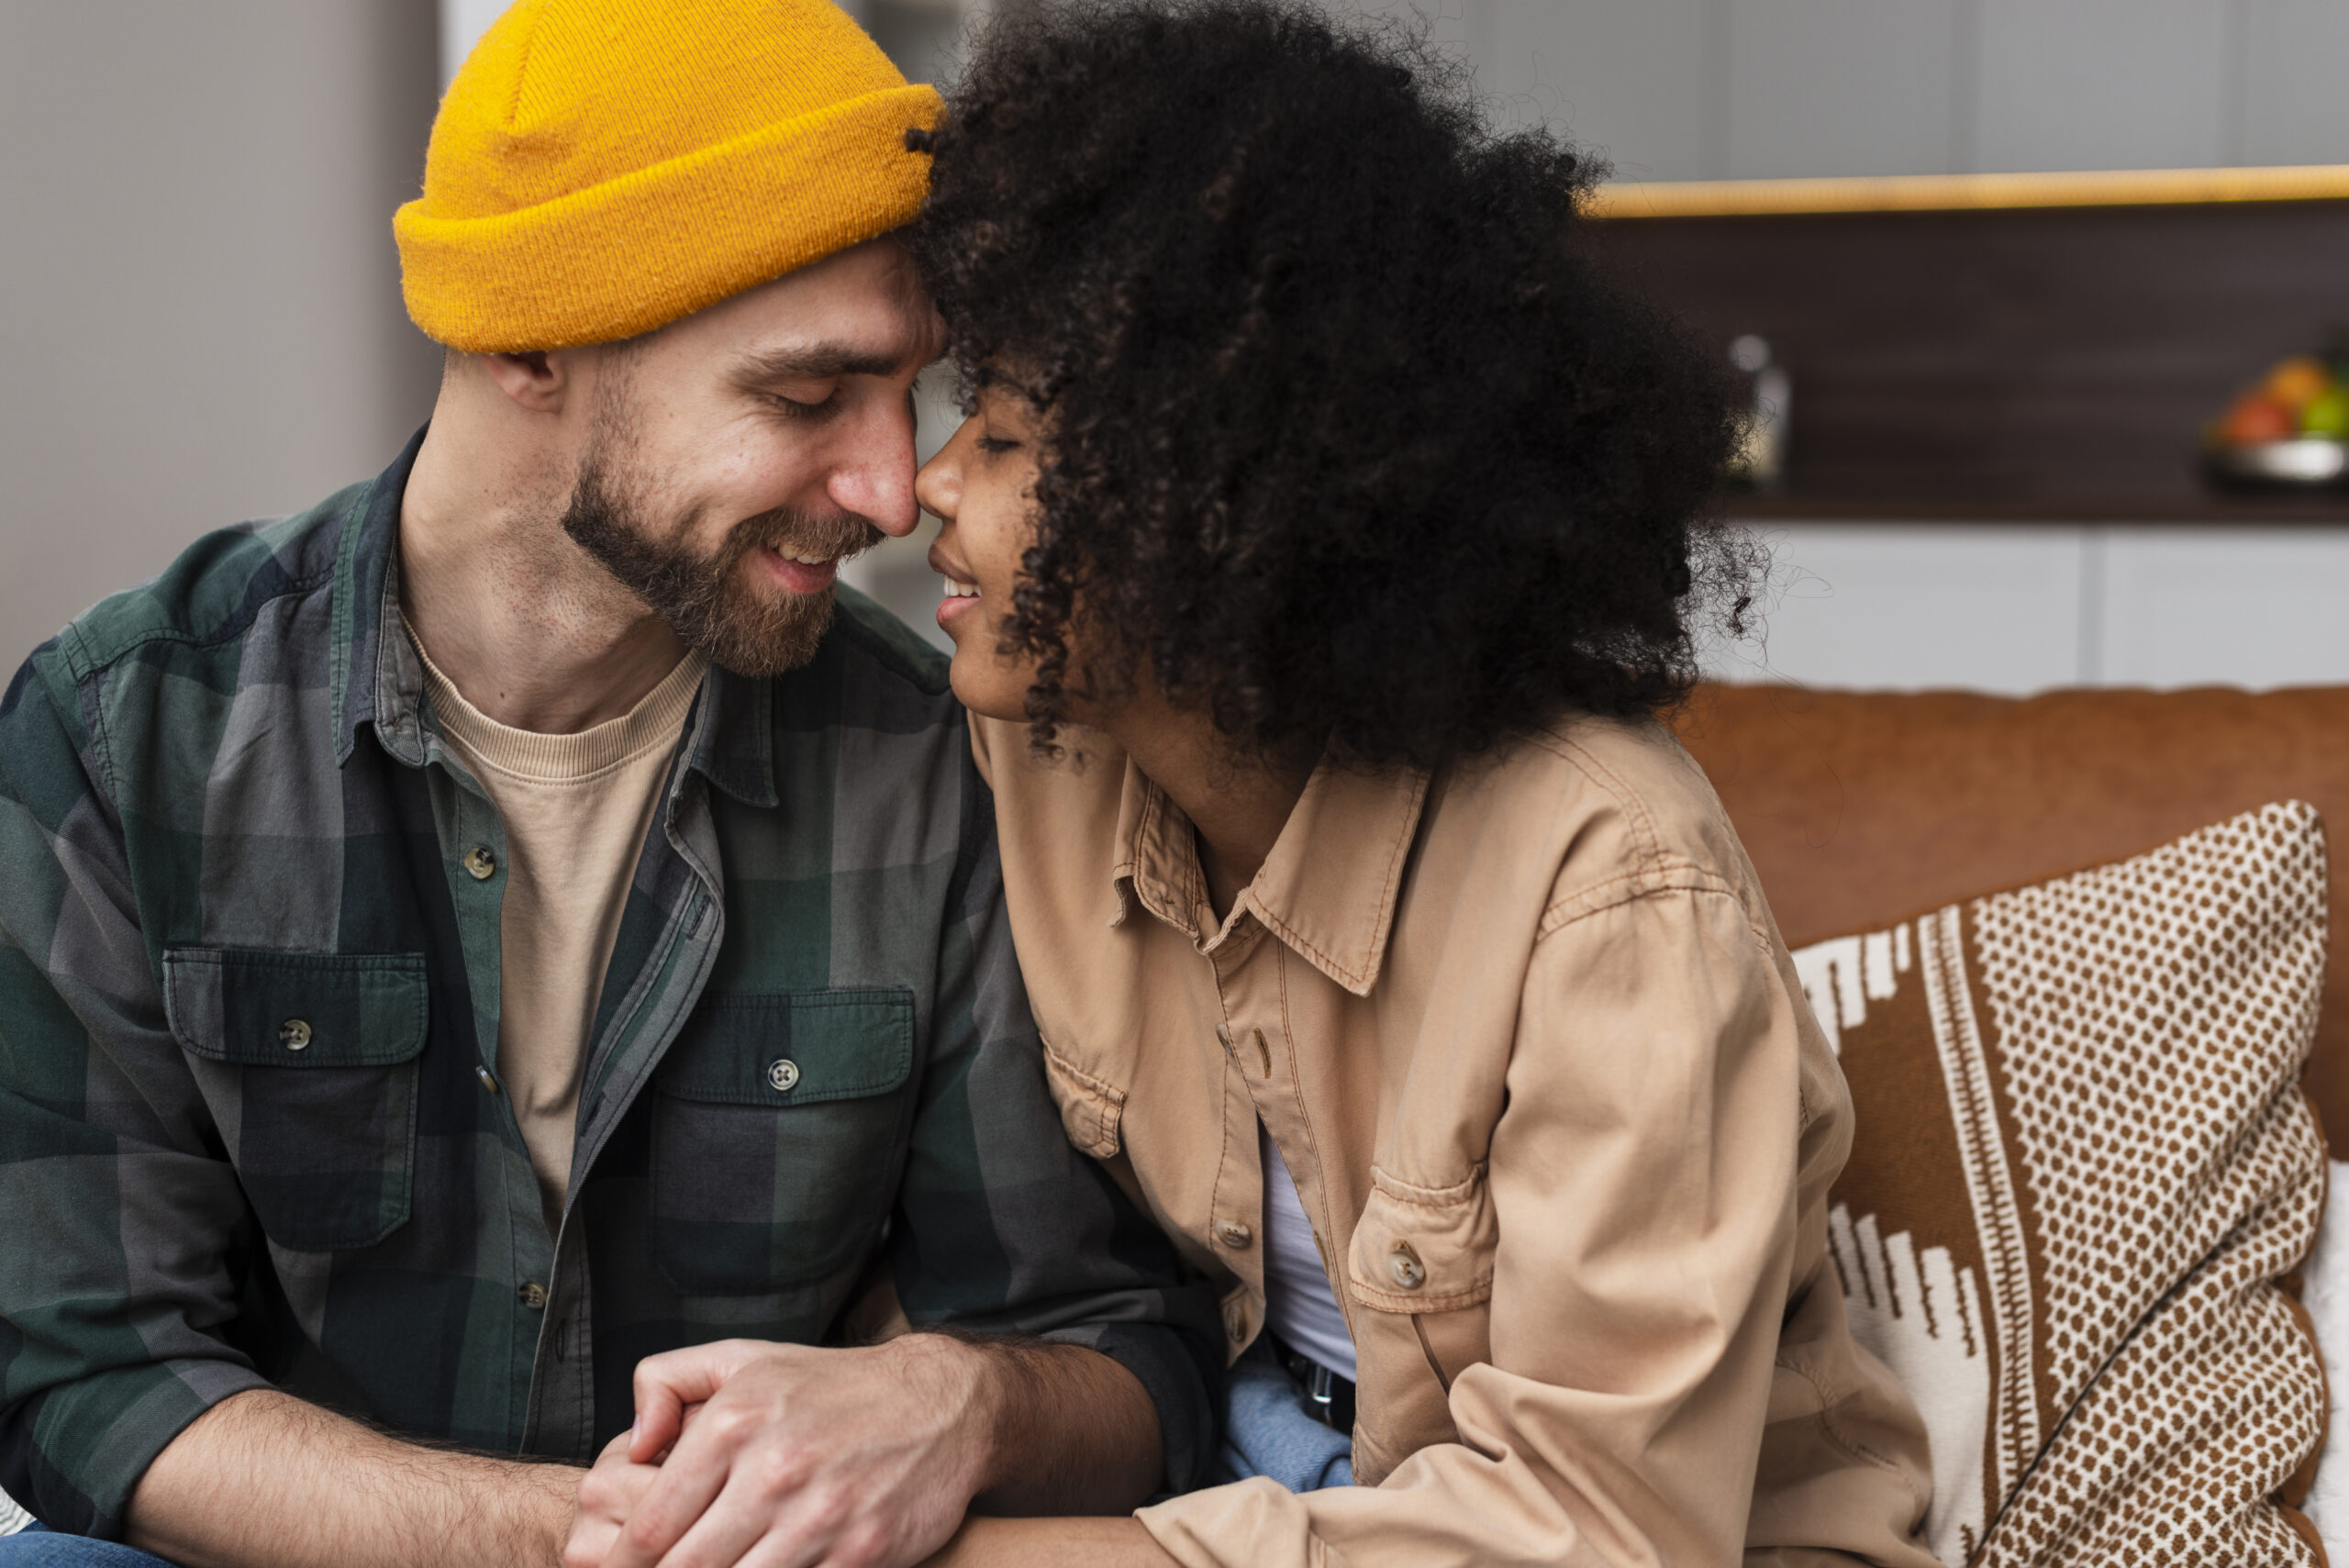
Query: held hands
<point>785,1456</point>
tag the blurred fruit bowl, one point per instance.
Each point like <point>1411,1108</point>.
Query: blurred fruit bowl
<point>2290,431</point>
<point>2310,461</point>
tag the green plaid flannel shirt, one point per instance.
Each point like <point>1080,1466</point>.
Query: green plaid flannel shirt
<point>247,985</point>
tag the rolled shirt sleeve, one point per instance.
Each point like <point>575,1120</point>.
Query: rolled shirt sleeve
<point>1649,1177</point>
<point>117,1207</point>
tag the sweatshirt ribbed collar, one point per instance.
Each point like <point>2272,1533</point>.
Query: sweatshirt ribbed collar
<point>656,720</point>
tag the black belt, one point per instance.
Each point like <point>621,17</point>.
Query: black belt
<point>1328,1397</point>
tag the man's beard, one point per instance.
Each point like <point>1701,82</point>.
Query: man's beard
<point>706,600</point>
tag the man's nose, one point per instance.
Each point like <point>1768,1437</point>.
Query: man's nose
<point>874,476</point>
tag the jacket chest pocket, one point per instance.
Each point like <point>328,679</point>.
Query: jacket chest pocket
<point>1420,1269</point>
<point>776,1128</point>
<point>316,1089</point>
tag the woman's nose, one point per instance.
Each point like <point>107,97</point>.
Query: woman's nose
<point>939,485</point>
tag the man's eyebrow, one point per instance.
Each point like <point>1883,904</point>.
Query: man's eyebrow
<point>812,361</point>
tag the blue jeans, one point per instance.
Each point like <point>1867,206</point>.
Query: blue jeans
<point>1268,1431</point>
<point>41,1547</point>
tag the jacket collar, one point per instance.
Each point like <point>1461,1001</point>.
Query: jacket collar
<point>378,679</point>
<point>1328,889</point>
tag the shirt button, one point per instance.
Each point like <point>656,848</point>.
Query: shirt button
<point>534,1296</point>
<point>488,1079</point>
<point>1404,1266</point>
<point>479,865</point>
<point>783,1075</point>
<point>1235,1322</point>
<point>1233,1233</point>
<point>293,1034</point>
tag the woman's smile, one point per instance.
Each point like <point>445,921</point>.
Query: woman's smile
<point>960,598</point>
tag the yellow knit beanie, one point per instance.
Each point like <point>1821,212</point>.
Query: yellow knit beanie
<point>602,167</point>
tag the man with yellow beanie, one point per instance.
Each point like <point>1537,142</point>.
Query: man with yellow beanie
<point>516,921</point>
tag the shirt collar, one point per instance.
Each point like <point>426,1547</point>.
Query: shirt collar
<point>375,678</point>
<point>379,680</point>
<point>1329,887</point>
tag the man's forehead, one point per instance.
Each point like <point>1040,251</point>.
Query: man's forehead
<point>864,305</point>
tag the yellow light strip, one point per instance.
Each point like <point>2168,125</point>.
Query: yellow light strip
<point>1955,192</point>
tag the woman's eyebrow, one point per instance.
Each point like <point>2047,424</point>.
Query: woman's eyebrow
<point>813,362</point>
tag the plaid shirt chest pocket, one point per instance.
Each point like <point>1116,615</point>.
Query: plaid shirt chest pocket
<point>775,1136</point>
<point>310,1060</point>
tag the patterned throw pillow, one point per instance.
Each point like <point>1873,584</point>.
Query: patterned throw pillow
<point>2083,1167</point>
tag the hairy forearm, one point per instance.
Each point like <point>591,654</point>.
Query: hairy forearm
<point>263,1480</point>
<point>1052,1543</point>
<point>1075,1433</point>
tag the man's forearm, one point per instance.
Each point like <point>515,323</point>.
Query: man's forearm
<point>1074,1432</point>
<point>264,1480</point>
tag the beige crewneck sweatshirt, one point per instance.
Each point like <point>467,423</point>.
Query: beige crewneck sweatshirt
<point>576,808</point>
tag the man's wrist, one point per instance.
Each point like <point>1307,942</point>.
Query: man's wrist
<point>981,1385</point>
<point>549,1505</point>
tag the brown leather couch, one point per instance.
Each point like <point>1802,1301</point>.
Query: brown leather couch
<point>1861,808</point>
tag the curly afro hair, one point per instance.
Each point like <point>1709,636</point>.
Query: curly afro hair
<point>1344,434</point>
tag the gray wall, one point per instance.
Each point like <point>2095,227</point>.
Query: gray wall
<point>1752,89</point>
<point>199,300</point>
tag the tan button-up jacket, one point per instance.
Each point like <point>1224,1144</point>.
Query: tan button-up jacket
<point>1528,1039</point>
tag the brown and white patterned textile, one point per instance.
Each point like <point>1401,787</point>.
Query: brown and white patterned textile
<point>2083,1166</point>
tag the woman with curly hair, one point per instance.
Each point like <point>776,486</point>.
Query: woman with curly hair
<point>1324,537</point>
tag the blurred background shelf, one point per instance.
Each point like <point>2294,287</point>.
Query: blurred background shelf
<point>2187,506</point>
<point>2008,363</point>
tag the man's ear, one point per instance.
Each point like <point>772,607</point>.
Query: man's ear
<point>538,380</point>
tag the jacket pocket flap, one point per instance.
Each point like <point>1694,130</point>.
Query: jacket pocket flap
<point>1423,1249</point>
<point>1090,1108</point>
<point>297,1009</point>
<point>792,1048</point>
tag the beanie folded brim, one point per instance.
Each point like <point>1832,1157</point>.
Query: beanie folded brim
<point>639,251</point>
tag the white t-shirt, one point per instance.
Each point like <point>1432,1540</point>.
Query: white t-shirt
<point>1298,1302</point>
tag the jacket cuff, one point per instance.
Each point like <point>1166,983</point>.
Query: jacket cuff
<point>73,1454</point>
<point>1162,1361</point>
<point>1255,1523</point>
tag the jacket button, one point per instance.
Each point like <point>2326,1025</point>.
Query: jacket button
<point>1235,1322</point>
<point>479,865</point>
<point>1404,1266</point>
<point>488,1079</point>
<point>293,1034</point>
<point>1233,1233</point>
<point>533,1295</point>
<point>783,1075</point>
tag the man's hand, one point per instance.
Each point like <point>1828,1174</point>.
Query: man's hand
<point>783,1456</point>
<point>844,1458</point>
<point>608,1498</point>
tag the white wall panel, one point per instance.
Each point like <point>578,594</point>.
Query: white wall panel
<point>1629,80</point>
<point>461,24</point>
<point>2103,83</point>
<point>2240,605</point>
<point>2296,89</point>
<point>1908,606</point>
<point>1842,87</point>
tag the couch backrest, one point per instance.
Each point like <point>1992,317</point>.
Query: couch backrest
<point>1862,807</point>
